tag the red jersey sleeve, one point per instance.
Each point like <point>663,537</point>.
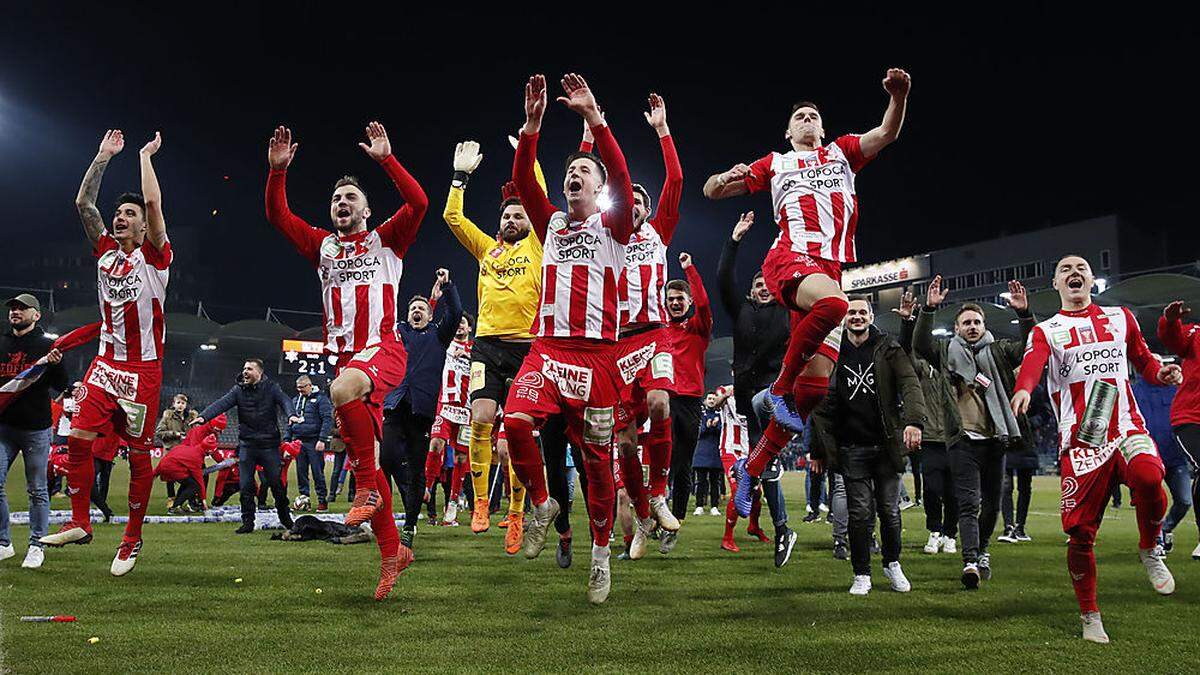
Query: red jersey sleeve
<point>666,218</point>
<point>852,148</point>
<point>399,231</point>
<point>1176,337</point>
<point>158,258</point>
<point>585,146</point>
<point>104,244</point>
<point>533,197</point>
<point>702,321</point>
<point>759,178</point>
<point>1037,353</point>
<point>618,218</point>
<point>306,238</point>
<point>1138,351</point>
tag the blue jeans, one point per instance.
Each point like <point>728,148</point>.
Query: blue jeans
<point>35,446</point>
<point>309,457</point>
<point>771,487</point>
<point>1179,482</point>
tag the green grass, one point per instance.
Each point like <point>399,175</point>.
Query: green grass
<point>464,605</point>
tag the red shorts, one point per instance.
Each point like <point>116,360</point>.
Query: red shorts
<point>1089,474</point>
<point>783,269</point>
<point>452,424</point>
<point>644,362</point>
<point>121,399</point>
<point>575,378</point>
<point>384,365</point>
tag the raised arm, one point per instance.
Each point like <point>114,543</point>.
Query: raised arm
<point>1018,300</point>
<point>466,160</point>
<point>896,83</point>
<point>156,224</point>
<point>667,215</point>
<point>452,313</point>
<point>704,315</point>
<point>619,217</point>
<point>1037,354</point>
<point>731,300</point>
<point>304,237</point>
<point>533,197</point>
<point>399,231</point>
<point>1174,335</point>
<point>85,202</point>
<point>1144,360</point>
<point>923,342</point>
<point>908,322</point>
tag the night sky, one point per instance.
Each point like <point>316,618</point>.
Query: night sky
<point>1015,120</point>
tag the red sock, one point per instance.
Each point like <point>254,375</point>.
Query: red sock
<point>601,492</point>
<point>731,518</point>
<point>631,476</point>
<point>755,510</point>
<point>456,478</point>
<point>774,438</point>
<point>1081,563</point>
<point>527,459</point>
<point>81,473</point>
<point>433,468</point>
<point>628,539</point>
<point>658,448</point>
<point>1144,476</point>
<point>807,334</point>
<point>808,393</point>
<point>358,431</point>
<point>141,480</point>
<point>383,523</point>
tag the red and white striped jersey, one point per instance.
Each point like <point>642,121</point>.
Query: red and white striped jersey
<point>734,435</point>
<point>813,197</point>
<point>132,289</point>
<point>642,287</point>
<point>1082,348</point>
<point>456,374</point>
<point>581,265</point>
<point>360,276</point>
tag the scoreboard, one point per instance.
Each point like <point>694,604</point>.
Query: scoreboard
<point>306,357</point>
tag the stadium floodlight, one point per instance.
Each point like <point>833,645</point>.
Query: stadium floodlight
<point>603,201</point>
<point>208,347</point>
<point>1101,285</point>
<point>940,332</point>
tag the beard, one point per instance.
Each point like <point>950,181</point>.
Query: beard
<point>21,324</point>
<point>513,236</point>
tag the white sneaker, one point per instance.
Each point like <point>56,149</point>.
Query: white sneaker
<point>906,504</point>
<point>126,558</point>
<point>934,543</point>
<point>662,513</point>
<point>861,585</point>
<point>641,535</point>
<point>600,578</point>
<point>949,545</point>
<point>900,583</point>
<point>450,517</point>
<point>1156,569</point>
<point>34,558</point>
<point>1093,628</point>
<point>714,511</point>
<point>823,508</point>
<point>1196,552</point>
<point>699,511</point>
<point>7,552</point>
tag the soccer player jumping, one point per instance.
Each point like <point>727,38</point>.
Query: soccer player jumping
<point>119,394</point>
<point>570,369</point>
<point>360,273</point>
<point>1102,434</point>
<point>816,207</point>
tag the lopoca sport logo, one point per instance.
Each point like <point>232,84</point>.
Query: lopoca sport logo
<point>826,177</point>
<point>1086,362</point>
<point>119,280</point>
<point>495,264</point>
<point>349,262</point>
<point>643,248</point>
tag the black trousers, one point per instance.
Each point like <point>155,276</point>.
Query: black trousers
<point>685,430</point>
<point>189,490</point>
<point>872,489</point>
<point>1187,436</point>
<point>103,471</point>
<point>978,470</point>
<point>1023,479</point>
<point>941,501</point>
<point>266,456</point>
<point>402,455</point>
<point>708,486</point>
<point>553,436</point>
<point>916,459</point>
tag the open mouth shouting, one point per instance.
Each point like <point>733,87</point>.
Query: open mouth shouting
<point>1075,282</point>
<point>574,188</point>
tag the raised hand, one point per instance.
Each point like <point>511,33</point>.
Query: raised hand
<point>743,225</point>
<point>152,147</point>
<point>907,302</point>
<point>535,103</point>
<point>1018,299</point>
<point>112,143</point>
<point>685,260</point>
<point>897,83</point>
<point>936,293</point>
<point>467,156</point>
<point>580,99</point>
<point>281,150</point>
<point>1170,374</point>
<point>657,116</point>
<point>738,172</point>
<point>443,275</point>
<point>380,146</point>
<point>1176,311</point>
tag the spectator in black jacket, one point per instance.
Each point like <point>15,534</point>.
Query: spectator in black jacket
<point>257,399</point>
<point>315,411</point>
<point>408,409</point>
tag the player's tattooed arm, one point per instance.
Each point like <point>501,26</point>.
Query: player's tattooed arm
<point>896,83</point>
<point>156,224</point>
<point>85,202</point>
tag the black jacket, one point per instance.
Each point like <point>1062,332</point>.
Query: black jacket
<point>760,331</point>
<point>258,423</point>
<point>426,349</point>
<point>317,411</point>
<point>933,386</point>
<point>897,384</point>
<point>29,411</point>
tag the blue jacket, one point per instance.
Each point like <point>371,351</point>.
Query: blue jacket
<point>708,445</point>
<point>426,349</point>
<point>1155,403</point>
<point>256,410</point>
<point>317,411</point>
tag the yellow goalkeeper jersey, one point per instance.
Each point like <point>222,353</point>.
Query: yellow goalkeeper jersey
<point>510,275</point>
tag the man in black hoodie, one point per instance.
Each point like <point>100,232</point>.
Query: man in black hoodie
<point>257,399</point>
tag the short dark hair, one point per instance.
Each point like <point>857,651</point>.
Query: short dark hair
<point>511,201</point>
<point>805,104</point>
<point>350,180</point>
<point>645,195</point>
<point>579,154</point>
<point>969,307</point>
<point>680,285</point>
<point>132,198</point>
<point>470,319</point>
<point>757,275</point>
<point>258,363</point>
<point>864,298</point>
<point>1069,255</point>
<point>421,298</point>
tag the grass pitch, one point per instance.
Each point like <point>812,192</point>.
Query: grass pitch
<point>465,606</point>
